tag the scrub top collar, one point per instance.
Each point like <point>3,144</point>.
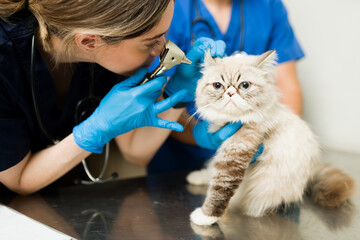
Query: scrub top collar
<point>229,37</point>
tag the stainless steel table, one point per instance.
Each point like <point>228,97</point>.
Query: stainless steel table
<point>158,207</point>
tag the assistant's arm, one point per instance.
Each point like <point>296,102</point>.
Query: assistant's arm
<point>38,170</point>
<point>288,83</point>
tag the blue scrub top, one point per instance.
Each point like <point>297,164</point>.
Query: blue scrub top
<point>266,27</point>
<point>19,129</point>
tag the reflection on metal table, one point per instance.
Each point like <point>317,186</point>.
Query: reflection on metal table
<point>158,207</point>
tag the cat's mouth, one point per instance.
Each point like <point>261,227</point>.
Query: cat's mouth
<point>231,103</point>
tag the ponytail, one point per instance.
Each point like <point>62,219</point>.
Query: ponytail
<point>9,7</point>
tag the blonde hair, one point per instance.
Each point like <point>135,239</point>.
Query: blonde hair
<point>112,20</point>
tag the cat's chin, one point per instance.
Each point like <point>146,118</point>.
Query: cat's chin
<point>220,118</point>
<point>223,116</point>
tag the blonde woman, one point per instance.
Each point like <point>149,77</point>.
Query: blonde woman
<point>57,58</point>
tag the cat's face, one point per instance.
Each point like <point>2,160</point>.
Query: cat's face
<point>236,88</point>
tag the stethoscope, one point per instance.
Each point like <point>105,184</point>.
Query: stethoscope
<point>198,19</point>
<point>83,109</point>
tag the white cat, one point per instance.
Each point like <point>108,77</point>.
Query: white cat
<point>242,88</point>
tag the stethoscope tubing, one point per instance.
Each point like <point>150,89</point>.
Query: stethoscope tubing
<point>32,83</point>
<point>99,179</point>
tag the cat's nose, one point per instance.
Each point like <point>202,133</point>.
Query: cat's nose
<point>231,93</point>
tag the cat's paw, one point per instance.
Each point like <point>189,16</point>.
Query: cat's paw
<point>199,218</point>
<point>198,177</point>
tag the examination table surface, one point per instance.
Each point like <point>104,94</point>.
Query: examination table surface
<point>158,207</point>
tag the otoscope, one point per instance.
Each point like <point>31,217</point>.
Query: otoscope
<point>170,56</point>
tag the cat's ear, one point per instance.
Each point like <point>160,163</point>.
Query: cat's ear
<point>208,59</point>
<point>267,60</point>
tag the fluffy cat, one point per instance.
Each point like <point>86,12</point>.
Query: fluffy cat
<point>242,88</point>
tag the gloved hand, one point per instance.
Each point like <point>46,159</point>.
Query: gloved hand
<point>212,141</point>
<point>186,76</point>
<point>127,106</point>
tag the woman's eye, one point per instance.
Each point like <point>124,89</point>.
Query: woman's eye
<point>155,44</point>
<point>217,85</point>
<point>245,85</point>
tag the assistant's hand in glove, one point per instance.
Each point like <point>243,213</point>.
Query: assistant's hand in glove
<point>127,106</point>
<point>186,76</point>
<point>212,141</point>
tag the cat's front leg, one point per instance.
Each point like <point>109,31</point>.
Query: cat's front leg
<point>226,179</point>
<point>229,165</point>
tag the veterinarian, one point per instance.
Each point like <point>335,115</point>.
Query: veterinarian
<point>58,59</point>
<point>250,26</point>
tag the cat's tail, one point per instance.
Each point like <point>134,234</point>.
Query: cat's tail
<point>330,186</point>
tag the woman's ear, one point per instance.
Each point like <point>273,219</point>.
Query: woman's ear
<point>87,42</point>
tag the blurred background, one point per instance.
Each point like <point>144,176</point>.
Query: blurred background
<point>329,32</point>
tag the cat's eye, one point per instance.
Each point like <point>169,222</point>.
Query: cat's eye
<point>217,85</point>
<point>245,85</point>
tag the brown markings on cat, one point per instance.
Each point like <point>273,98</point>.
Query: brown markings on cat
<point>331,187</point>
<point>230,167</point>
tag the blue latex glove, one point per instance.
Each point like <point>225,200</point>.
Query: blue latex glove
<point>186,76</point>
<point>212,141</point>
<point>127,106</point>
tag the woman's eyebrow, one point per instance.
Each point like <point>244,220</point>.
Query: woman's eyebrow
<point>154,37</point>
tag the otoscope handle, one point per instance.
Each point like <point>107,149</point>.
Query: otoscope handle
<point>149,76</point>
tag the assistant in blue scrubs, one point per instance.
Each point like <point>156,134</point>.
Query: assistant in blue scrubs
<point>264,26</point>
<point>19,129</point>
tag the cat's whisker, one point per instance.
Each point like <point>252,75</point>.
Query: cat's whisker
<point>196,112</point>
<point>259,112</point>
<point>189,119</point>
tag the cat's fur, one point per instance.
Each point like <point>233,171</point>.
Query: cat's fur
<point>289,164</point>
